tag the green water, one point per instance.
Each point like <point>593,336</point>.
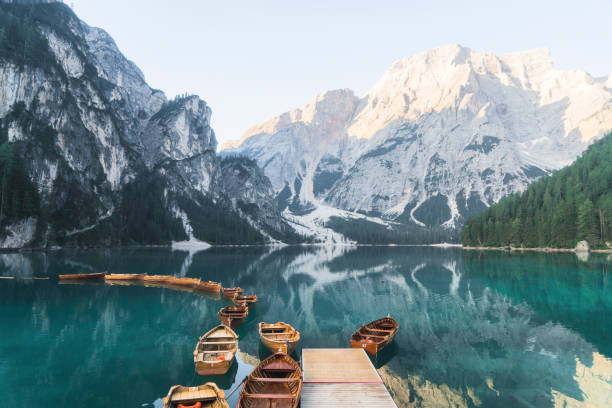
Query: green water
<point>477,329</point>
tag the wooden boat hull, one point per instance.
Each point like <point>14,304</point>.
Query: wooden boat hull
<point>370,348</point>
<point>124,276</point>
<point>208,286</point>
<point>209,395</point>
<point>215,351</point>
<point>233,316</point>
<point>248,300</point>
<point>83,276</point>
<point>275,347</point>
<point>231,321</point>
<point>204,368</point>
<point>375,336</point>
<point>230,292</point>
<point>275,382</point>
<point>284,339</point>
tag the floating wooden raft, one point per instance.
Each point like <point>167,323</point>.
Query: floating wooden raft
<point>83,276</point>
<point>275,382</point>
<point>185,282</point>
<point>231,292</point>
<point>233,316</point>
<point>124,276</point>
<point>158,278</point>
<point>209,286</point>
<point>279,336</point>
<point>205,396</point>
<point>215,351</point>
<point>376,335</point>
<point>244,300</point>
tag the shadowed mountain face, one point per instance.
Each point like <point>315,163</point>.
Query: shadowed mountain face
<point>475,329</point>
<point>99,157</point>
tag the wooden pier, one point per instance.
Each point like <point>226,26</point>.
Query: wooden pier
<point>342,378</point>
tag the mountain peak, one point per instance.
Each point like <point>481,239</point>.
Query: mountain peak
<point>323,107</point>
<point>442,134</point>
<point>540,55</point>
<point>446,54</point>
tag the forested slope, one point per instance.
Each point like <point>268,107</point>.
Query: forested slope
<point>573,204</point>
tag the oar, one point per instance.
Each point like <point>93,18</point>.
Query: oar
<point>235,388</point>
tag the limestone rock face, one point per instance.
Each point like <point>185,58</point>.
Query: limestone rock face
<point>87,125</point>
<point>441,136</point>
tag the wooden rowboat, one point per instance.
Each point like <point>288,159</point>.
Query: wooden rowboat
<point>376,335</point>
<point>124,276</point>
<point>279,337</point>
<point>83,276</point>
<point>215,351</point>
<point>209,286</point>
<point>233,316</point>
<point>245,300</point>
<point>230,292</point>
<point>203,396</point>
<point>275,382</point>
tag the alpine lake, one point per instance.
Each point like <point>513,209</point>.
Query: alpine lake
<point>477,329</point>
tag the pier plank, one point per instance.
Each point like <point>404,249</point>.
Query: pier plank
<point>342,378</point>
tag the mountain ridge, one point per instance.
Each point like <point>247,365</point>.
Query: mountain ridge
<point>111,160</point>
<point>450,131</point>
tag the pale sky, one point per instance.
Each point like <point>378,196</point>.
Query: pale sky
<point>252,60</point>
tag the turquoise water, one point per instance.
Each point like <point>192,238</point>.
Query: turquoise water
<point>477,329</point>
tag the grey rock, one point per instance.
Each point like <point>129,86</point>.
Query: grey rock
<point>441,136</point>
<point>106,128</point>
<point>582,246</point>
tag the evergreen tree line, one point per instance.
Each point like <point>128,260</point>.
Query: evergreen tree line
<point>367,232</point>
<point>572,205</point>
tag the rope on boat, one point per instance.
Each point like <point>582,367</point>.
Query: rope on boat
<point>235,388</point>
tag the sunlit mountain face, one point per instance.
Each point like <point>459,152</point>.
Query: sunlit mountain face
<point>450,131</point>
<point>475,329</point>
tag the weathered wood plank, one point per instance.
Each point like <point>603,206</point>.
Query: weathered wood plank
<point>337,365</point>
<point>346,395</point>
<point>342,378</point>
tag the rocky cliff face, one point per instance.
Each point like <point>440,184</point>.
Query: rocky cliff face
<point>441,136</point>
<point>95,139</point>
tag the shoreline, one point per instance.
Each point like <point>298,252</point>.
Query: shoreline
<point>276,245</point>
<point>521,249</point>
<point>185,248</point>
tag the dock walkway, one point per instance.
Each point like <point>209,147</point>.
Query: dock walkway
<point>342,378</point>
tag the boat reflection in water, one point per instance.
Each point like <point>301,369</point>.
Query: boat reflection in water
<point>224,381</point>
<point>493,330</point>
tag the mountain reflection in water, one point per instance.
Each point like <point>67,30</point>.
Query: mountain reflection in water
<point>476,329</point>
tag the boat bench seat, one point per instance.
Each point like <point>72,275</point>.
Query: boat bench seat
<point>270,396</point>
<point>221,343</point>
<point>372,335</point>
<point>276,380</point>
